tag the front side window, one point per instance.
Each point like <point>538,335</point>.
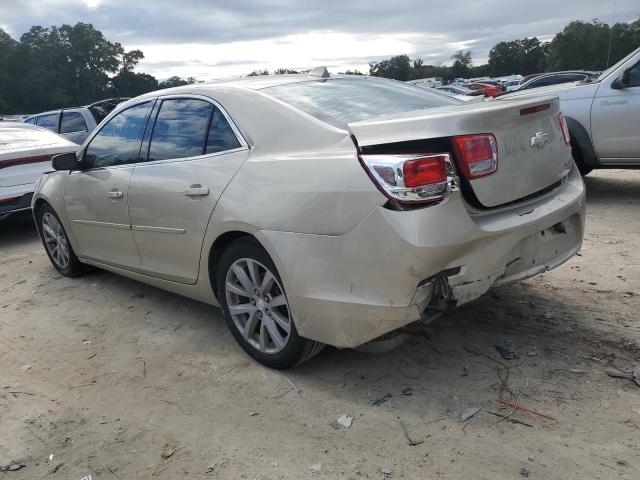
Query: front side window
<point>49,122</point>
<point>634,77</point>
<point>118,142</point>
<point>180,129</point>
<point>72,122</point>
<point>31,120</point>
<point>341,101</point>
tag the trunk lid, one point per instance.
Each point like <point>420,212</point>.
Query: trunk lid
<point>532,154</point>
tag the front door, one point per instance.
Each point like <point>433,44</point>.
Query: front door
<point>193,154</point>
<point>97,198</point>
<point>615,120</point>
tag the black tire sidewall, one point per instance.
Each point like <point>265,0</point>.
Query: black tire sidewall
<point>75,267</point>
<point>296,346</point>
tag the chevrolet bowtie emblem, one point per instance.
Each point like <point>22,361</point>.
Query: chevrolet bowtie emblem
<point>540,139</point>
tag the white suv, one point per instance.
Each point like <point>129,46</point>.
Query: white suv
<point>603,115</point>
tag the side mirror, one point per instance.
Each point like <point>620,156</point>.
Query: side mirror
<point>65,161</point>
<point>624,78</point>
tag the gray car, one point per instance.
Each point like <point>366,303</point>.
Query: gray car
<point>317,209</point>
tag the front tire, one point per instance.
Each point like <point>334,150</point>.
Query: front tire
<point>578,158</point>
<point>56,242</point>
<point>256,308</point>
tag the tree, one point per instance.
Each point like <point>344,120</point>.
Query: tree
<point>284,71</point>
<point>462,64</point>
<point>524,56</point>
<point>7,53</point>
<point>176,81</point>
<point>592,46</point>
<point>257,73</point>
<point>398,68</point>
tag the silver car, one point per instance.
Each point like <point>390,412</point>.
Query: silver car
<point>317,209</point>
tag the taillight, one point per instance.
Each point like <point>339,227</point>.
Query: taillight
<point>564,128</point>
<point>477,154</point>
<point>409,178</point>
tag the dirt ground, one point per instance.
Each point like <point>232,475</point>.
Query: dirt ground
<point>107,377</point>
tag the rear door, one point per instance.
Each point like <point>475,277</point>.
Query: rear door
<point>73,126</point>
<point>192,153</point>
<point>97,199</point>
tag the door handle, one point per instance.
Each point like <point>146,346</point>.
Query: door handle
<point>115,193</point>
<point>196,190</point>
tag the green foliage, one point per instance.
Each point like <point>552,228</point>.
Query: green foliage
<point>55,67</point>
<point>524,56</point>
<point>586,45</point>
<point>257,73</point>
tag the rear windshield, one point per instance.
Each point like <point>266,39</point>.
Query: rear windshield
<point>340,101</point>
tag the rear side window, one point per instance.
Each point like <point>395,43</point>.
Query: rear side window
<point>340,101</point>
<point>118,142</point>
<point>570,77</point>
<point>48,121</point>
<point>543,82</point>
<point>72,122</point>
<point>180,129</point>
<point>221,137</point>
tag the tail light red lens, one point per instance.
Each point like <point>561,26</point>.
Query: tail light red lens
<point>564,129</point>
<point>409,178</point>
<point>477,154</point>
<point>424,171</point>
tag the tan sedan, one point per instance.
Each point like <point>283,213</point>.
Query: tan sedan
<point>317,209</point>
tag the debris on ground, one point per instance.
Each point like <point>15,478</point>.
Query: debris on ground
<point>468,413</point>
<point>410,440</point>
<point>633,376</point>
<point>12,467</point>
<point>534,352</point>
<point>386,473</point>
<point>407,392</point>
<point>167,451</point>
<point>343,421</point>
<point>212,469</point>
<point>379,401</point>
<point>524,472</point>
<point>517,406</point>
<point>509,419</point>
<point>506,352</point>
<point>316,467</point>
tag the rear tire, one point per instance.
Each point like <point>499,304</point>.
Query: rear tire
<point>256,309</point>
<point>56,242</point>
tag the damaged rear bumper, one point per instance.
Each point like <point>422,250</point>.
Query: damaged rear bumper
<point>396,267</point>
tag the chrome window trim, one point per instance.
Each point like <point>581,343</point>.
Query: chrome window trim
<point>187,159</point>
<point>243,143</point>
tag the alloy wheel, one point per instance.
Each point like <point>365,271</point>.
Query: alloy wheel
<point>258,306</point>
<point>55,240</point>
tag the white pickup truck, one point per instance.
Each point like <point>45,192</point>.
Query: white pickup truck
<point>603,115</point>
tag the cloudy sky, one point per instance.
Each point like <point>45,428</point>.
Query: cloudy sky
<point>209,39</point>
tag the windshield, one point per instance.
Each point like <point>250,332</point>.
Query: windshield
<point>608,71</point>
<point>340,101</point>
